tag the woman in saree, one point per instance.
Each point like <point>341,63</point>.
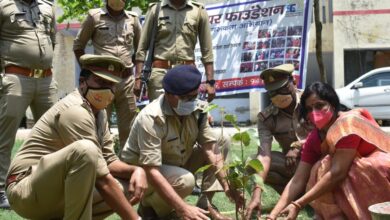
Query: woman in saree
<point>345,162</point>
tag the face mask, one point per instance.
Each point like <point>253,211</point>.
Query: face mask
<point>185,108</point>
<point>320,118</point>
<point>99,98</point>
<point>282,101</point>
<point>116,5</point>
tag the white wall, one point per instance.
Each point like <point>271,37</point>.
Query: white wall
<point>366,30</point>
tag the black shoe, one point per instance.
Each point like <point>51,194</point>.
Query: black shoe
<point>147,213</point>
<point>4,204</point>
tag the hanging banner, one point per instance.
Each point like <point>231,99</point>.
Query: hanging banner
<point>249,37</point>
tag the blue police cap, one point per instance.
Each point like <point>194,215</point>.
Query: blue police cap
<point>182,79</point>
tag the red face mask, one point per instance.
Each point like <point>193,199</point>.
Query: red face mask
<point>320,118</point>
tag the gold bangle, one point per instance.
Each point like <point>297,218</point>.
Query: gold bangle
<point>296,204</point>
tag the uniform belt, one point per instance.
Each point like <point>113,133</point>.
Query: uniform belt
<point>167,64</point>
<point>35,73</point>
<point>14,178</point>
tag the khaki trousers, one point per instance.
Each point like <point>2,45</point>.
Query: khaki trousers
<point>155,88</point>
<point>62,186</point>
<point>16,94</point>
<point>124,103</point>
<point>182,179</point>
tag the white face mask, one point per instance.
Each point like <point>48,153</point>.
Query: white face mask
<point>116,5</point>
<point>185,107</point>
<point>99,98</point>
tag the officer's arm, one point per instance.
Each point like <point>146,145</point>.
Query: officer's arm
<point>264,155</point>
<point>264,150</point>
<point>53,29</point>
<point>114,197</point>
<point>136,176</point>
<point>137,33</point>
<point>205,42</point>
<point>164,188</point>
<point>82,38</point>
<point>143,44</point>
<point>214,157</point>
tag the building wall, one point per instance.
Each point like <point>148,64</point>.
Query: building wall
<point>64,64</point>
<point>358,24</point>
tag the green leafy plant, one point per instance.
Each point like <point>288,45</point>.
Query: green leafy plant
<point>241,171</point>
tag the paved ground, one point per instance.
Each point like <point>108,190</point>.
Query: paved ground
<point>23,133</point>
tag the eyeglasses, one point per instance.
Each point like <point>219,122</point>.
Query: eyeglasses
<point>285,90</point>
<point>318,106</point>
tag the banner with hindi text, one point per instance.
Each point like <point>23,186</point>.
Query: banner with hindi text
<point>251,36</point>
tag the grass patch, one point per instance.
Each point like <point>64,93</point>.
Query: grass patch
<point>269,198</point>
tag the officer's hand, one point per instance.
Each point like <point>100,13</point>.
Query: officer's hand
<point>292,158</point>
<point>210,92</point>
<point>137,87</point>
<point>254,206</point>
<point>189,212</point>
<point>138,185</point>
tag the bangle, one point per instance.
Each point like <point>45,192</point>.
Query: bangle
<point>257,187</point>
<point>296,204</point>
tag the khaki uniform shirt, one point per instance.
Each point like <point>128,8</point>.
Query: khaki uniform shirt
<point>158,136</point>
<point>69,120</point>
<point>27,33</point>
<point>109,35</point>
<point>177,32</point>
<point>285,128</point>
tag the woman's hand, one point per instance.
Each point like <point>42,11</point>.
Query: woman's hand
<point>291,211</point>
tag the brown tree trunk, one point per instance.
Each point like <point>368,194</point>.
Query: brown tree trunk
<point>318,25</point>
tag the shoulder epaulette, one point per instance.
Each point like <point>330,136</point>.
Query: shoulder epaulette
<point>200,5</point>
<point>132,13</point>
<point>46,1</point>
<point>95,11</point>
<point>267,112</point>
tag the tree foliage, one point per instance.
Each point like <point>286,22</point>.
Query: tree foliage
<point>77,9</point>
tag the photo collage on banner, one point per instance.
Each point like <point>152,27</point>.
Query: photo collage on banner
<point>249,37</point>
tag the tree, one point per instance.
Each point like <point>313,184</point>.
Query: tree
<point>77,9</point>
<point>318,25</point>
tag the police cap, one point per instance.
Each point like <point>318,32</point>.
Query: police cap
<point>182,79</point>
<point>107,67</point>
<point>277,77</point>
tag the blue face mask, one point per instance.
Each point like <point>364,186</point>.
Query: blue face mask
<point>185,107</point>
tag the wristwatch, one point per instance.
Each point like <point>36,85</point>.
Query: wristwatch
<point>211,82</point>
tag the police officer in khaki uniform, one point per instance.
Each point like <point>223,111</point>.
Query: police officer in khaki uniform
<point>279,121</point>
<point>27,38</point>
<point>180,24</point>
<point>114,32</point>
<point>66,167</point>
<point>162,141</point>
